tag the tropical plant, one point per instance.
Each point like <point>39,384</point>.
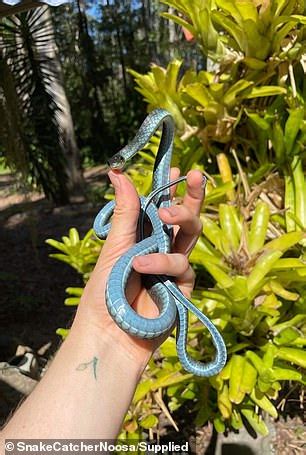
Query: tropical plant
<point>30,82</point>
<point>256,294</point>
<point>235,108</point>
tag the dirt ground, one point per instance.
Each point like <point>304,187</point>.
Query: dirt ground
<point>33,291</point>
<point>32,284</point>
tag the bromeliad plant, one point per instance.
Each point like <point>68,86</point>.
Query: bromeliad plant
<point>256,299</point>
<point>257,295</point>
<point>252,103</point>
<point>255,276</point>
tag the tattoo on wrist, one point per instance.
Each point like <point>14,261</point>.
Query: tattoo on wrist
<point>92,363</point>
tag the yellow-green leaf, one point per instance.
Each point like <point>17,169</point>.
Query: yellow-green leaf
<point>142,389</point>
<point>259,226</point>
<point>285,241</point>
<point>296,356</point>
<point>236,420</point>
<point>268,90</point>
<point>230,97</point>
<point>249,375</point>
<point>58,245</point>
<point>149,421</point>
<point>262,268</point>
<point>224,403</point>
<point>255,421</point>
<point>236,395</point>
<point>228,225</point>
<point>263,402</point>
<point>62,332</point>
<point>74,236</point>
<point>219,425</point>
<point>72,301</point>
<point>199,93</point>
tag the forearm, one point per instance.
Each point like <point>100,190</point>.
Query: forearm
<point>85,393</point>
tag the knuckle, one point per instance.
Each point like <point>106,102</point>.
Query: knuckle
<point>184,263</point>
<point>192,274</point>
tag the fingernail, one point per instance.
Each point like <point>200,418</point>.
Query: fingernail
<point>143,260</point>
<point>172,211</point>
<point>114,178</point>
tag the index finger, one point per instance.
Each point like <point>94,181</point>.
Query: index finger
<point>195,191</point>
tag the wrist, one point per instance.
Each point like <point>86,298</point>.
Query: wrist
<point>110,341</point>
<point>86,391</point>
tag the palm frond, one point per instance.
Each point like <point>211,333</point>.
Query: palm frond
<point>28,47</point>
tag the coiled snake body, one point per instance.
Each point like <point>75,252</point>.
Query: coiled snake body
<point>173,305</point>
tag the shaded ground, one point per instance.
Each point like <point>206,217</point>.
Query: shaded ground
<point>31,309</point>
<point>32,284</point>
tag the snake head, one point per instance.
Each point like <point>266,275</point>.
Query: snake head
<point>204,182</point>
<point>116,162</point>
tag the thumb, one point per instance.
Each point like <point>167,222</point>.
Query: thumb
<point>122,234</point>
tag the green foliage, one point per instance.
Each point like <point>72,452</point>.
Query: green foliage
<point>242,124</point>
<point>79,254</point>
<point>96,51</point>
<point>255,29</point>
<point>236,105</point>
<point>227,113</point>
<point>249,106</point>
<point>255,297</point>
<point>258,310</point>
<point>94,47</point>
<point>31,132</point>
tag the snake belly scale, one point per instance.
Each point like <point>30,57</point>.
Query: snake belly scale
<point>172,304</point>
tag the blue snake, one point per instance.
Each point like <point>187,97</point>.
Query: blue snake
<point>172,304</point>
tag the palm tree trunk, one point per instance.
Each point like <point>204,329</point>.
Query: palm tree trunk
<point>172,34</point>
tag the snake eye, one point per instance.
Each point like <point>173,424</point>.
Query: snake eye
<point>116,162</point>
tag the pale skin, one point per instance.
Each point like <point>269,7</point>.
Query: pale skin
<point>89,386</point>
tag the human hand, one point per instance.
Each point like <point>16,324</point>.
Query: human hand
<point>122,236</point>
